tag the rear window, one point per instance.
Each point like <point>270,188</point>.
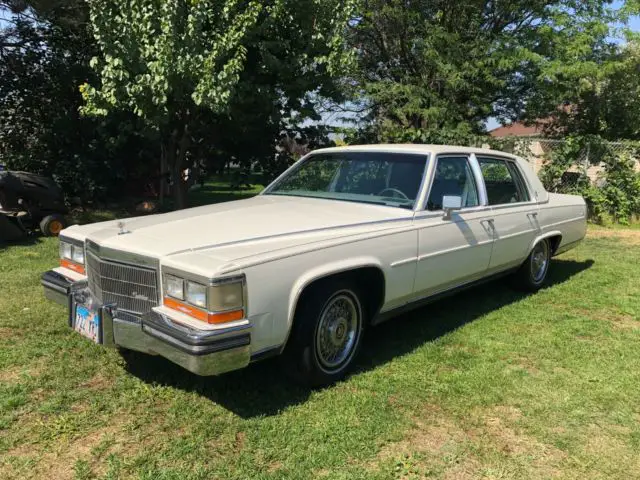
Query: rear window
<point>503,181</point>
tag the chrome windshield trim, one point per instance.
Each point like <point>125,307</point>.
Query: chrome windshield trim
<point>296,166</point>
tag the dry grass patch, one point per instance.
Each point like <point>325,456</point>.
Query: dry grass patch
<point>619,320</point>
<point>98,382</point>
<point>498,426</point>
<point>56,460</point>
<point>523,364</point>
<point>13,374</point>
<point>10,334</point>
<point>450,448</point>
<point>631,237</point>
<point>436,443</point>
<point>610,446</point>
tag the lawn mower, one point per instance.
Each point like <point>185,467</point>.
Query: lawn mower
<point>29,202</point>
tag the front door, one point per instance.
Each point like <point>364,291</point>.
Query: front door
<point>453,251</point>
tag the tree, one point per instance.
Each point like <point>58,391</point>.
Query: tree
<point>434,65</point>
<point>177,63</point>
<point>606,102</point>
<point>44,56</point>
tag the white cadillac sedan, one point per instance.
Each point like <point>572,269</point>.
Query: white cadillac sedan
<point>346,238</point>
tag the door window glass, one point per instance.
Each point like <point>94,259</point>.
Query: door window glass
<point>501,185</point>
<point>454,177</point>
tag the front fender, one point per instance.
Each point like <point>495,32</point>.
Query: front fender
<point>326,270</point>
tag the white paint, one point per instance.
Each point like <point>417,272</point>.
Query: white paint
<point>282,244</point>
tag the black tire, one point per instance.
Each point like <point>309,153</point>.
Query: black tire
<point>52,225</point>
<point>533,272</point>
<point>304,358</point>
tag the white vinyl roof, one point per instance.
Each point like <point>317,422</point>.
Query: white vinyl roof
<point>414,148</point>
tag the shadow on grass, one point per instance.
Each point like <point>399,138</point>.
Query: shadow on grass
<point>27,240</point>
<point>261,389</point>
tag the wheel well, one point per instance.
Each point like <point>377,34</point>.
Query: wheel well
<point>370,281</point>
<point>554,243</point>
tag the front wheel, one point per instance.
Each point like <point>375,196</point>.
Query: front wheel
<point>533,272</point>
<point>326,334</point>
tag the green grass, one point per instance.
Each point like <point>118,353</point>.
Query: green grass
<point>490,383</point>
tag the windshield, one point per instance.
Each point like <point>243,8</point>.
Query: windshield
<point>391,179</point>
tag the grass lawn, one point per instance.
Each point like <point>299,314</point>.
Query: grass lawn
<point>488,384</point>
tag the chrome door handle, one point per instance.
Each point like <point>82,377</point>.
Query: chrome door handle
<point>489,224</point>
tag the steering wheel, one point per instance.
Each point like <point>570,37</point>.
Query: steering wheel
<point>394,190</point>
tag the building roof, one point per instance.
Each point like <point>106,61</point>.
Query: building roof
<point>517,129</point>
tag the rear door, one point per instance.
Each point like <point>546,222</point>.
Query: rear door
<point>514,212</point>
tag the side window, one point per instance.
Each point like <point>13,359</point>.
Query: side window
<point>503,182</point>
<point>520,182</point>
<point>453,176</point>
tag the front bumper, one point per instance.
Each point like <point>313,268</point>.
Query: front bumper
<point>203,352</point>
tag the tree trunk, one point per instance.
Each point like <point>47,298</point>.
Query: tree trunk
<point>179,189</point>
<point>180,185</point>
<point>162,181</point>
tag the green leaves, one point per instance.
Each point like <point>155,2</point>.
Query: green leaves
<point>159,56</point>
<point>434,66</point>
<point>186,67</point>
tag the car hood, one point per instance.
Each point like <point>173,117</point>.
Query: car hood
<point>236,228</point>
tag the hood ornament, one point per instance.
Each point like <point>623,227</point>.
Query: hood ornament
<point>122,227</point>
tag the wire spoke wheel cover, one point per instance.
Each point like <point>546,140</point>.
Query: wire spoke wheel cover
<point>338,331</point>
<point>539,261</point>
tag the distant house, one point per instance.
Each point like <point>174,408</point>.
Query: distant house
<point>537,148</point>
<point>518,129</point>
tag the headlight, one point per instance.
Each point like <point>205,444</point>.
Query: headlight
<point>66,250</point>
<point>174,286</point>
<point>226,296</point>
<point>78,254</point>
<point>71,251</point>
<point>197,294</point>
<point>221,302</point>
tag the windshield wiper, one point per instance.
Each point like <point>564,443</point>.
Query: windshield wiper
<point>408,206</point>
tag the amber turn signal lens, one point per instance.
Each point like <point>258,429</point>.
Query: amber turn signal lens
<point>225,317</point>
<point>72,266</point>
<point>213,318</point>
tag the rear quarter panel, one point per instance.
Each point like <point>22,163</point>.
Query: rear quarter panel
<point>566,215</point>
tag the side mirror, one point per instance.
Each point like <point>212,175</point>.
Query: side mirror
<point>450,203</point>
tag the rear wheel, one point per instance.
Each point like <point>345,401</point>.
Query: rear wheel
<point>326,333</point>
<point>533,272</point>
<point>52,225</point>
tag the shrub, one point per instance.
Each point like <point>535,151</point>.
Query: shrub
<point>615,197</point>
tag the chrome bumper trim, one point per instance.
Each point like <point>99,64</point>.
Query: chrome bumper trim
<point>203,352</point>
<point>57,287</point>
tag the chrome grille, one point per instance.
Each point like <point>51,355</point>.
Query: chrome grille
<point>132,288</point>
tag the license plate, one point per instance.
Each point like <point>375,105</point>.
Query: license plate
<point>87,323</point>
